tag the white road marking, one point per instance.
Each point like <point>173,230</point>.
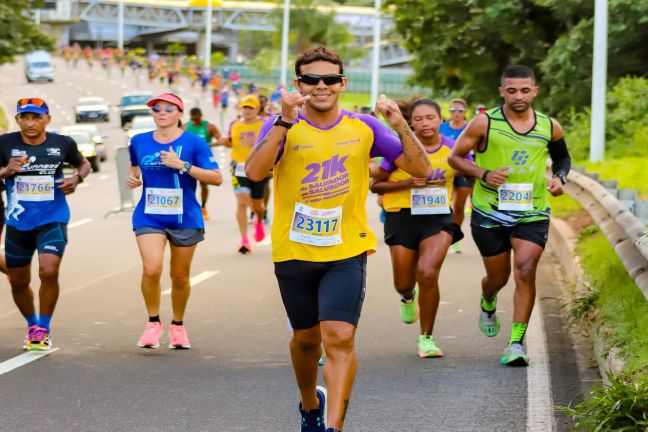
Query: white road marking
<point>79,223</point>
<point>104,177</point>
<point>23,359</point>
<point>540,414</point>
<point>80,88</point>
<point>83,185</point>
<point>200,277</point>
<point>69,84</point>
<point>89,93</point>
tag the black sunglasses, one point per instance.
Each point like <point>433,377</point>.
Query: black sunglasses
<point>312,79</point>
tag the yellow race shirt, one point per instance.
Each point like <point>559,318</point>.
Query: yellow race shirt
<point>442,176</point>
<point>321,181</point>
<point>243,137</point>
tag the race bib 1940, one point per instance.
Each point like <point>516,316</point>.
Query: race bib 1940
<point>516,196</point>
<point>426,201</point>
<point>34,188</point>
<point>316,227</point>
<point>163,201</point>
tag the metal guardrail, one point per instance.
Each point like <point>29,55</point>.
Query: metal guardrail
<point>625,232</point>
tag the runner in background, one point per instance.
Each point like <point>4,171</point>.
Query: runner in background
<point>209,133</point>
<point>462,188</point>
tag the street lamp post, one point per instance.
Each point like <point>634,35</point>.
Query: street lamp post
<point>284,43</point>
<point>599,81</point>
<point>375,63</point>
<point>208,34</point>
<point>120,25</point>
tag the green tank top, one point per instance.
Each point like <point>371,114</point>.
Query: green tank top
<point>200,130</point>
<point>524,197</point>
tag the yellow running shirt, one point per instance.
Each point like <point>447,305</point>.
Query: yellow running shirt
<point>321,181</point>
<point>442,176</point>
<point>243,137</point>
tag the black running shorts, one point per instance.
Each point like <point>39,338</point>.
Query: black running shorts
<point>322,291</point>
<point>20,245</point>
<point>496,240</point>
<point>404,229</point>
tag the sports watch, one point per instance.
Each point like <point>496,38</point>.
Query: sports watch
<point>278,122</point>
<point>185,168</point>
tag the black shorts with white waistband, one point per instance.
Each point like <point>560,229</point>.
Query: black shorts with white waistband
<point>402,228</point>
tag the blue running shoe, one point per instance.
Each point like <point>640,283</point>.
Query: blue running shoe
<point>315,420</point>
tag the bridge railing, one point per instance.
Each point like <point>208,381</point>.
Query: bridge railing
<point>625,232</point>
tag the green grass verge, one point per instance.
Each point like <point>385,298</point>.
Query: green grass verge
<point>629,171</point>
<point>621,305</point>
<point>563,206</point>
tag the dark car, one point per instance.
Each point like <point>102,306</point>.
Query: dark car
<point>134,104</point>
<point>91,109</point>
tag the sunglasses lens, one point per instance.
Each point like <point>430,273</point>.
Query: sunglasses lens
<point>31,101</point>
<point>332,79</point>
<point>309,79</point>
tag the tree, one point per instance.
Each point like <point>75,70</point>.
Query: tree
<point>18,32</point>
<point>461,46</point>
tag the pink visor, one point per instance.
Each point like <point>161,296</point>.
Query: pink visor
<point>167,97</point>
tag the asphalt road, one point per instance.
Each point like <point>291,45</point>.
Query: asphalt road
<point>238,376</point>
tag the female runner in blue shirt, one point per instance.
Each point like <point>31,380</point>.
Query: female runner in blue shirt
<point>168,162</point>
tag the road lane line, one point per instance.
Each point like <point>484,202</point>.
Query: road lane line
<point>540,413</point>
<point>200,277</point>
<point>22,360</point>
<point>104,177</point>
<point>80,88</point>
<point>79,223</point>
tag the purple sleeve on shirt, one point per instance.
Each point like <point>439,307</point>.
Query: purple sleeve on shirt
<point>386,142</point>
<point>265,129</point>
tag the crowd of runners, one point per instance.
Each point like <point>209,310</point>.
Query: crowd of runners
<point>321,161</point>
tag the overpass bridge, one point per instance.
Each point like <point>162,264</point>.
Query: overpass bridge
<point>184,20</point>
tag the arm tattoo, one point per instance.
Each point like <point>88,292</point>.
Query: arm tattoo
<point>413,141</point>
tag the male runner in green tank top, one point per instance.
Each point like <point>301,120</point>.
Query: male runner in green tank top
<point>510,200</point>
<point>209,133</point>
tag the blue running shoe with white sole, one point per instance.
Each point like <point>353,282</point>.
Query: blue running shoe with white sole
<point>315,420</point>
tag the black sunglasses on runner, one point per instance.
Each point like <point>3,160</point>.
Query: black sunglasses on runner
<point>312,79</point>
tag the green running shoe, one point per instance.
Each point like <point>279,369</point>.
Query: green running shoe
<point>514,355</point>
<point>427,347</point>
<point>489,324</point>
<point>409,310</point>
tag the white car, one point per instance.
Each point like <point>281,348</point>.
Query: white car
<point>87,148</point>
<point>97,137</point>
<point>91,109</point>
<point>140,125</point>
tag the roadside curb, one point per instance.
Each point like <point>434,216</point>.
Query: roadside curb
<point>563,242</point>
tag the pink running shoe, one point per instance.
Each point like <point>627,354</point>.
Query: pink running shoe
<point>259,231</point>
<point>31,335</point>
<point>178,336</point>
<point>151,336</point>
<point>245,246</point>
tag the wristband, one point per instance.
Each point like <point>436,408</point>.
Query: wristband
<point>483,177</point>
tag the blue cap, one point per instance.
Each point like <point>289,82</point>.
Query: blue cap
<point>31,105</point>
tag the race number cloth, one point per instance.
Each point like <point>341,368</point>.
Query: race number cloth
<point>169,198</point>
<point>34,188</point>
<point>327,169</point>
<point>33,196</point>
<point>516,196</point>
<point>442,176</point>
<point>316,227</point>
<point>430,200</point>
<point>163,201</point>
